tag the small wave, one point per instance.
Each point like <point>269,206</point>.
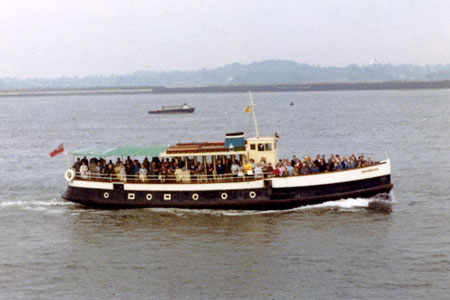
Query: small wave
<point>38,205</point>
<point>343,203</point>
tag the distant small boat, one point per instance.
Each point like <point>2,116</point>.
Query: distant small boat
<point>291,104</point>
<point>178,109</point>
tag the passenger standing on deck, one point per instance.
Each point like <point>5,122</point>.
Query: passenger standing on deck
<point>252,162</point>
<point>295,170</point>
<point>322,166</point>
<point>351,163</point>
<point>142,173</point>
<point>358,162</point>
<point>363,161</point>
<point>92,165</point>
<point>293,160</point>
<point>344,162</point>
<point>314,169</point>
<point>178,174</point>
<point>200,172</point>
<point>122,172</point>
<point>248,168</point>
<point>331,166</point>
<point>338,163</point>
<point>98,170</point>
<point>209,171</point>
<point>304,170</point>
<point>234,169</point>
<point>109,172</point>
<point>263,163</point>
<point>220,169</point>
<point>325,162</point>
<point>317,160</point>
<point>227,166</point>
<point>258,171</point>
<point>163,172</point>
<point>135,168</point>
<point>76,166</point>
<point>84,171</point>
<point>193,170</point>
<point>153,170</point>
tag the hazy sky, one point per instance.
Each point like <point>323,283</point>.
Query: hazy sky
<point>77,38</point>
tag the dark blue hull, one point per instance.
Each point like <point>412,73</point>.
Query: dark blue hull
<point>266,198</point>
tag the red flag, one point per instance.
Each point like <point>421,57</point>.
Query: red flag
<point>58,150</point>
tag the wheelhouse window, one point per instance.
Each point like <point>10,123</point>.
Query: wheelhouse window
<point>260,147</point>
<point>268,147</point>
<point>252,147</point>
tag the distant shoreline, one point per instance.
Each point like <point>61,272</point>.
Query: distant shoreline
<point>304,87</point>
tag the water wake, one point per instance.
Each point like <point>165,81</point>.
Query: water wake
<point>36,205</point>
<point>380,202</point>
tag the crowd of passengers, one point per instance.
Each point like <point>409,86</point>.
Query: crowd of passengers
<point>161,170</point>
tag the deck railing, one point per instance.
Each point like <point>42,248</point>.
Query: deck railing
<point>186,177</point>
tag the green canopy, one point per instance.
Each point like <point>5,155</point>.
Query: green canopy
<point>122,151</point>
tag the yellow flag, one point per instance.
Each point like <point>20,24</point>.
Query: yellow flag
<point>247,109</point>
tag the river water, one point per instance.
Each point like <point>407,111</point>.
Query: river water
<point>346,249</point>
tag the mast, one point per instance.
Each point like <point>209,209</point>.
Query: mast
<point>253,111</point>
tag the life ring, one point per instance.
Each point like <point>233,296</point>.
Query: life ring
<point>149,197</point>
<point>70,175</point>
<point>252,194</point>
<point>195,196</point>
<point>106,195</point>
<point>224,196</point>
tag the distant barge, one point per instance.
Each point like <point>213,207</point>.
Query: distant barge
<point>179,109</point>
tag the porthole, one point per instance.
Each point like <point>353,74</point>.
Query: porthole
<point>131,196</point>
<point>195,196</point>
<point>106,195</point>
<point>224,196</point>
<point>149,197</point>
<point>252,194</point>
<point>167,197</point>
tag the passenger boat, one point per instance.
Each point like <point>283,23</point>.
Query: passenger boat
<point>173,109</point>
<point>241,191</point>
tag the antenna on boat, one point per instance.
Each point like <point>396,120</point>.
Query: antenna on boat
<point>253,111</point>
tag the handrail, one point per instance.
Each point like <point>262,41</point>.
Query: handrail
<point>186,177</point>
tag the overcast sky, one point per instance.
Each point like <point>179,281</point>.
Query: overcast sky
<point>77,38</point>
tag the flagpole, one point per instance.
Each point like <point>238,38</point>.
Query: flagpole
<point>253,111</point>
<point>67,159</point>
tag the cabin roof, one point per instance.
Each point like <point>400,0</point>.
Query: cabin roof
<point>195,149</point>
<point>153,151</point>
<point>261,138</point>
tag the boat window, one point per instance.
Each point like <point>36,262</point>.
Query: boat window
<point>268,147</point>
<point>252,147</point>
<point>260,147</point>
<point>275,145</point>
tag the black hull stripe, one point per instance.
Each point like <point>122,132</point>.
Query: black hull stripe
<point>265,199</point>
